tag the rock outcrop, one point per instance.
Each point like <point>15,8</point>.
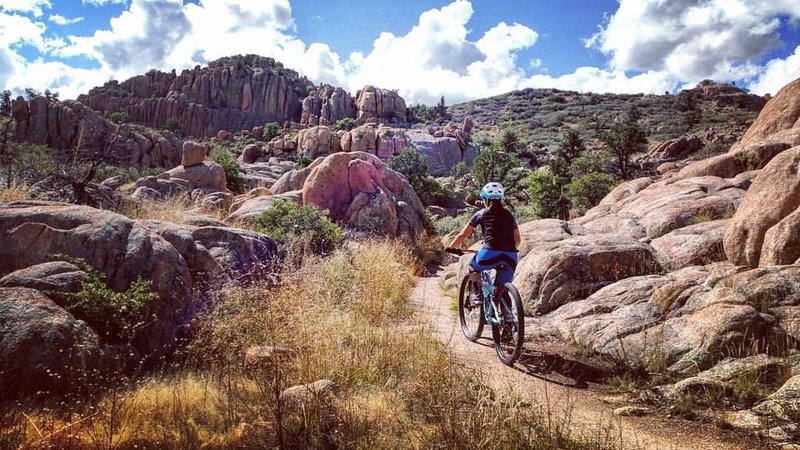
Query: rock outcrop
<point>180,261</point>
<point>44,348</point>
<point>70,125</point>
<point>233,93</point>
<point>646,210</point>
<point>357,188</point>
<point>376,103</point>
<point>326,105</point>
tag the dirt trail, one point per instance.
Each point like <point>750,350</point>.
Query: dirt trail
<point>588,415</point>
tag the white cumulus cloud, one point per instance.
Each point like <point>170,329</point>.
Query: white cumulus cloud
<point>776,74</point>
<point>35,7</point>
<point>693,39</point>
<point>58,19</point>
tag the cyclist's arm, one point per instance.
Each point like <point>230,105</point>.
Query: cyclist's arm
<point>517,238</point>
<point>466,231</point>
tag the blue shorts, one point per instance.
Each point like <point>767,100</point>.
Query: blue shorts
<point>503,262</point>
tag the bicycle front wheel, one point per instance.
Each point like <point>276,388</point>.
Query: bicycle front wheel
<point>470,312</point>
<point>509,335</point>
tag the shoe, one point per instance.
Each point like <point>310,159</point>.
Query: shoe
<point>474,300</point>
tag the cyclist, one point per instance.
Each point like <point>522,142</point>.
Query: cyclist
<point>501,240</point>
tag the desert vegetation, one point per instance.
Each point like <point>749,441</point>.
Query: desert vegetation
<point>343,319</point>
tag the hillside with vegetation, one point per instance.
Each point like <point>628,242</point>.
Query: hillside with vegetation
<point>537,116</point>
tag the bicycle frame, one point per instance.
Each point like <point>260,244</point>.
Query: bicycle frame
<point>488,288</point>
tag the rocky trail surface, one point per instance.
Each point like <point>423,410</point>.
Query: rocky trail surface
<point>567,399</point>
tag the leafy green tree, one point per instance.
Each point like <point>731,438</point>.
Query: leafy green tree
<point>509,141</point>
<point>118,117</point>
<point>494,164</point>
<point>414,166</point>
<point>286,221</point>
<point>51,96</point>
<point>235,181</point>
<point>623,140</point>
<point>5,103</point>
<point>546,191</point>
<point>587,190</point>
<point>591,162</point>
<point>31,93</point>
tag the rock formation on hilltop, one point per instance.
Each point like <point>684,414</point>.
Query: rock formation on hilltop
<point>70,125</point>
<point>326,105</point>
<point>232,93</point>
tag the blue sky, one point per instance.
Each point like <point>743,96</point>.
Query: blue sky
<point>425,49</point>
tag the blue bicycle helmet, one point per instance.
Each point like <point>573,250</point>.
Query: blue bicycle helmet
<point>493,191</point>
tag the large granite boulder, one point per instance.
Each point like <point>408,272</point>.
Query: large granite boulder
<point>561,267</point>
<point>318,141</point>
<point>247,208</point>
<point>684,321</point>
<point>768,210</point>
<point>120,248</point>
<point>673,149</point>
<point>443,153</point>
<point>43,347</point>
<point>362,191</point>
<point>292,180</point>
<point>376,103</point>
<point>645,210</point>
<point>782,112</point>
<point>208,176</point>
<point>693,245</point>
<point>57,279</point>
<point>360,139</point>
<point>389,142</point>
<point>326,105</point>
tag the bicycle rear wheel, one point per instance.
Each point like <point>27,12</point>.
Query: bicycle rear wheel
<point>509,336</point>
<point>470,313</point>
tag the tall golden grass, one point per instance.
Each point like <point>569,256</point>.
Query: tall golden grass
<point>17,192</point>
<point>345,318</point>
<point>176,209</point>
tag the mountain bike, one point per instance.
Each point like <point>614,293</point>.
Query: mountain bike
<point>477,306</point>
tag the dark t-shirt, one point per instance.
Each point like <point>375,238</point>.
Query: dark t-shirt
<point>498,227</point>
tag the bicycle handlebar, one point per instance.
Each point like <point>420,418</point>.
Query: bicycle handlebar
<point>458,251</point>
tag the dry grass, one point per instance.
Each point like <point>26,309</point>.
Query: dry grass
<point>345,318</point>
<point>15,193</point>
<point>176,209</point>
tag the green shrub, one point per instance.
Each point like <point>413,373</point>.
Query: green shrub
<point>173,124</point>
<point>234,179</point>
<point>303,161</point>
<point>286,221</point>
<point>713,148</point>
<point>115,316</point>
<point>414,166</point>
<point>587,190</point>
<point>459,170</point>
<point>545,191</point>
<point>118,117</point>
<point>271,130</point>
<point>346,124</point>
